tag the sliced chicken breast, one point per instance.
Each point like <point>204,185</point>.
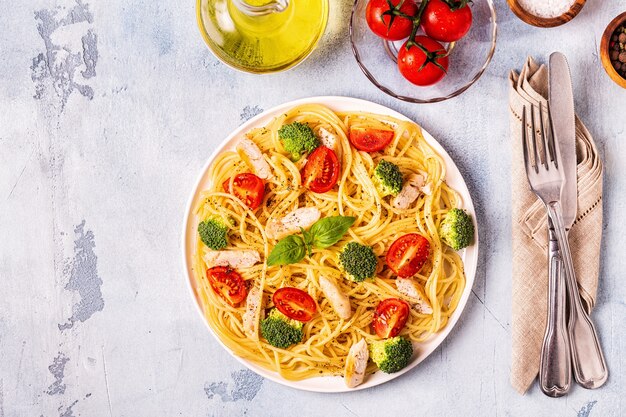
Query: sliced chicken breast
<point>330,141</point>
<point>232,258</point>
<point>252,155</point>
<point>415,293</point>
<point>411,189</point>
<point>356,362</point>
<point>302,217</point>
<point>337,299</point>
<point>253,313</point>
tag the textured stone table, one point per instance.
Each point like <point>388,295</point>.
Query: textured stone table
<point>107,112</point>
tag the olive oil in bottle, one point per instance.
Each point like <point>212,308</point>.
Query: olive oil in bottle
<point>262,36</point>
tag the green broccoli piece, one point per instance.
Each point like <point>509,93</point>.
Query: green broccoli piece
<point>213,233</point>
<point>298,139</point>
<point>387,178</point>
<point>391,355</point>
<point>456,229</point>
<point>358,261</point>
<point>280,331</point>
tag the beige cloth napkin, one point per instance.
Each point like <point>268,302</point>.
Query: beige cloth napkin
<point>529,230</point>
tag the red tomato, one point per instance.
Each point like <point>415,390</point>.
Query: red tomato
<point>294,303</point>
<point>370,140</point>
<point>248,188</point>
<point>390,317</point>
<point>411,60</point>
<point>442,23</point>
<point>321,171</point>
<point>408,254</point>
<point>228,284</point>
<point>378,15</point>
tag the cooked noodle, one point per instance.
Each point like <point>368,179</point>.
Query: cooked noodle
<point>327,338</point>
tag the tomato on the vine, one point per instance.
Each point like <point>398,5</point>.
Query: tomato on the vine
<point>423,61</point>
<point>391,23</point>
<point>447,21</point>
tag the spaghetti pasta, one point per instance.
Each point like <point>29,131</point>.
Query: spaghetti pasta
<point>328,338</point>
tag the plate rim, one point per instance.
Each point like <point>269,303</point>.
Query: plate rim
<point>471,252</point>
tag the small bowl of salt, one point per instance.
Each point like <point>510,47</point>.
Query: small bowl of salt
<point>546,13</point>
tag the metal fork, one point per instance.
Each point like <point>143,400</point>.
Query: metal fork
<point>546,181</point>
<point>555,373</point>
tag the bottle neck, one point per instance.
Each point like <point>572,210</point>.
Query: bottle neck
<point>261,7</point>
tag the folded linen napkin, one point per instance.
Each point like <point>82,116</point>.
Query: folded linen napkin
<point>529,229</point>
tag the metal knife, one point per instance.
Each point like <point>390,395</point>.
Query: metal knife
<point>588,362</point>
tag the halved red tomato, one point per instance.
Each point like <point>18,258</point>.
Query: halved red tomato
<point>248,188</point>
<point>228,284</point>
<point>370,140</point>
<point>390,317</point>
<point>321,171</point>
<point>294,303</point>
<point>408,254</point>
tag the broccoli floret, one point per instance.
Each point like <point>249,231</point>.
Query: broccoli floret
<point>388,178</point>
<point>358,261</point>
<point>280,331</point>
<point>213,233</point>
<point>298,139</point>
<point>391,355</point>
<point>456,229</point>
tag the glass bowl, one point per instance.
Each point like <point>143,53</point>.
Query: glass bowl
<point>468,57</point>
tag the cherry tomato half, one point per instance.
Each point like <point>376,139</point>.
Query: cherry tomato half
<point>390,317</point>
<point>294,303</point>
<point>410,62</point>
<point>248,188</point>
<point>442,23</point>
<point>408,254</point>
<point>370,140</point>
<point>228,284</point>
<point>321,171</point>
<point>378,22</point>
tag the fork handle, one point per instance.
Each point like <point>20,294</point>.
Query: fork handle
<point>555,370</point>
<point>588,362</point>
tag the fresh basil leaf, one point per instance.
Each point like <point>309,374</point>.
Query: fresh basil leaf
<point>308,241</point>
<point>327,231</point>
<point>288,250</point>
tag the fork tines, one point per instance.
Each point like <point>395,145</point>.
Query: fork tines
<point>543,149</point>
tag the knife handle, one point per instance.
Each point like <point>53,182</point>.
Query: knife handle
<point>588,362</point>
<point>555,371</point>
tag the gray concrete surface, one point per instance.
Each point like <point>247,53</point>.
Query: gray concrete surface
<point>107,112</point>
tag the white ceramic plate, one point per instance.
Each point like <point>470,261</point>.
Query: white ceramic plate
<point>453,178</point>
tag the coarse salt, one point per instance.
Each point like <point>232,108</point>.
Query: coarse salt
<point>546,8</point>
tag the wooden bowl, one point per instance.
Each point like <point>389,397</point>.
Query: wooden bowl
<point>604,50</point>
<point>546,22</point>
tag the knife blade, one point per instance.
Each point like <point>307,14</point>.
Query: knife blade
<point>561,111</point>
